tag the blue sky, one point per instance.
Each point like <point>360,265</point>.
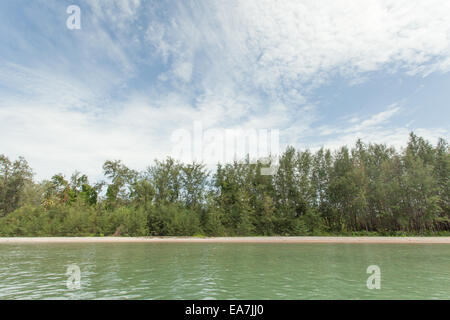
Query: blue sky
<point>323,73</point>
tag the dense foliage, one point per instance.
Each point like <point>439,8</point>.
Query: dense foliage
<point>366,190</point>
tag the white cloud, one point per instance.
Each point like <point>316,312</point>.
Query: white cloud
<point>183,71</point>
<point>230,64</point>
<point>374,129</point>
<point>117,12</point>
<point>395,137</point>
<point>377,119</point>
<point>277,43</point>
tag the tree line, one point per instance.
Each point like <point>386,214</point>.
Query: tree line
<point>368,189</point>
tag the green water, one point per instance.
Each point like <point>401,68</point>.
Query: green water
<point>224,271</point>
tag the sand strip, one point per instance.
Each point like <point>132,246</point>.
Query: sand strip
<point>418,240</point>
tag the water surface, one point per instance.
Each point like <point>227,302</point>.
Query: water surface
<point>224,271</point>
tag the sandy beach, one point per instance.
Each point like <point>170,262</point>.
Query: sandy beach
<point>400,240</point>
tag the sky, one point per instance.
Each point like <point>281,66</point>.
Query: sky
<point>322,73</point>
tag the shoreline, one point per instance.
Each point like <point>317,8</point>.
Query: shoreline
<point>325,239</point>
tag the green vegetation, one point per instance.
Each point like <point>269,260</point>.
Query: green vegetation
<point>368,190</point>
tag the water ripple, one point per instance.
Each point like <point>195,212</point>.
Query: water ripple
<point>224,271</point>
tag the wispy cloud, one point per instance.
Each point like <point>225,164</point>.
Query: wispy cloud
<point>138,70</point>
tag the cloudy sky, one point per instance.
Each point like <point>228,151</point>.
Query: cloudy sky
<point>324,73</point>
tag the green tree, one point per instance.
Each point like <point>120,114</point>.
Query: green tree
<point>14,177</point>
